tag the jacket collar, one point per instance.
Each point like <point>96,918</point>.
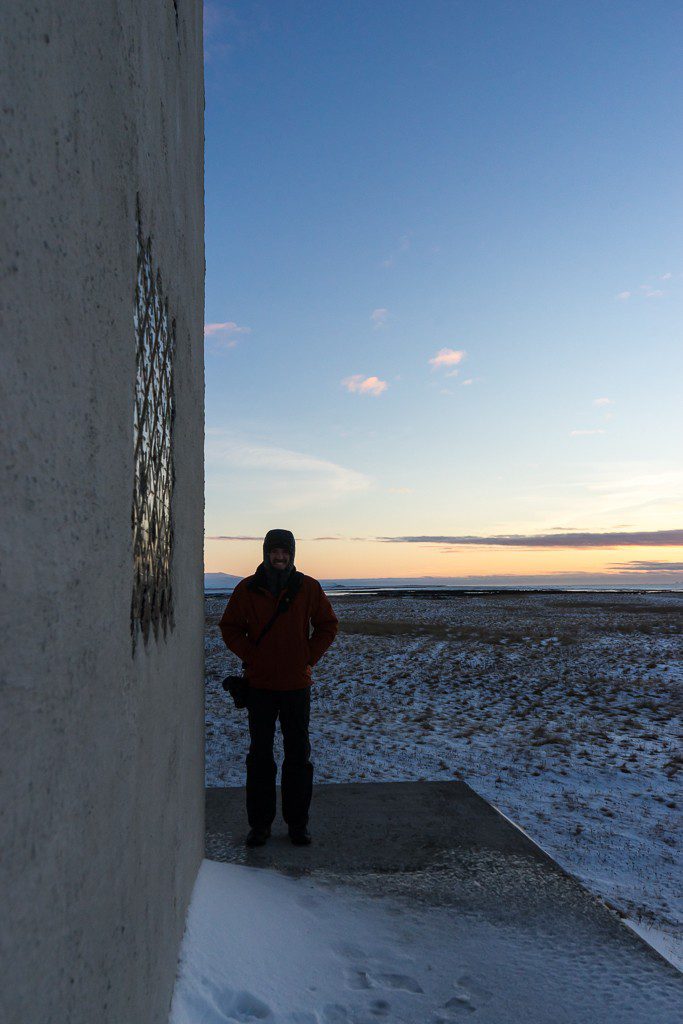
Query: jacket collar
<point>259,581</point>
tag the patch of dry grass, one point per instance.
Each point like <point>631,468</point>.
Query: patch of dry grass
<point>395,627</point>
<point>564,633</point>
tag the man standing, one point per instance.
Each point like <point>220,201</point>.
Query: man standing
<point>267,623</point>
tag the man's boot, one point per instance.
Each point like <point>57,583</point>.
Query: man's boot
<point>300,836</point>
<point>257,836</point>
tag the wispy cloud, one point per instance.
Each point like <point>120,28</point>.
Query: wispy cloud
<point>602,402</point>
<point>360,385</point>
<point>380,318</point>
<point>228,327</point>
<point>401,490</point>
<point>649,290</point>
<point>274,477</point>
<point>585,433</point>
<point>447,359</point>
<point>467,383</point>
<point>225,335</point>
<point>623,492</point>
<point>575,539</point>
<point>648,566</point>
<point>667,483</point>
<point>224,537</point>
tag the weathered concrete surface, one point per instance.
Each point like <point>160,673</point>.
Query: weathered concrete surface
<point>101,752</point>
<point>439,845</point>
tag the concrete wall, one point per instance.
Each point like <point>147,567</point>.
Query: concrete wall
<point>101,749</point>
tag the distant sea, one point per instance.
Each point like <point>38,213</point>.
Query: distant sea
<point>216,583</point>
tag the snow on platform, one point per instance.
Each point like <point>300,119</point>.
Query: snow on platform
<point>417,903</point>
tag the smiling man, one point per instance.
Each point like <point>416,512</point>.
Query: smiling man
<point>279,623</point>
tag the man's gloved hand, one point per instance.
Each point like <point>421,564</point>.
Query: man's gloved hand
<point>238,688</point>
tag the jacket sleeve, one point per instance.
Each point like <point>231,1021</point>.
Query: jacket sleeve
<point>325,625</point>
<point>235,627</point>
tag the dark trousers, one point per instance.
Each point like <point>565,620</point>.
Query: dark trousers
<point>293,709</point>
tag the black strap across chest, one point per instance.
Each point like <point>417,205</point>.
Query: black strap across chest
<point>292,589</point>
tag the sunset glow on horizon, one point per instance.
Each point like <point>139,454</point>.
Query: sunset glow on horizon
<point>360,559</point>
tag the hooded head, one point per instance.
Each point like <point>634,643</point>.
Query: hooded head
<point>276,577</point>
<point>279,539</point>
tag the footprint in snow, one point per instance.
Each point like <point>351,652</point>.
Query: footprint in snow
<point>459,1004</point>
<point>335,1013</point>
<point>357,979</point>
<point>473,986</point>
<point>247,1007</point>
<point>397,981</point>
<point>224,1004</point>
<point>469,993</point>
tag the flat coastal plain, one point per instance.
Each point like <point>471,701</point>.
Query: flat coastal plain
<point>562,709</point>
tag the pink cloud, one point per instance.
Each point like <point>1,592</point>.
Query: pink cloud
<point>224,333</point>
<point>447,358</point>
<point>360,385</point>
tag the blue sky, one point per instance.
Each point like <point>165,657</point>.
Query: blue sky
<point>444,245</point>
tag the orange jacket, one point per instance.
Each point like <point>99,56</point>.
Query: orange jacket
<point>282,660</point>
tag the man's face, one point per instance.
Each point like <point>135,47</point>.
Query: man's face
<point>279,558</point>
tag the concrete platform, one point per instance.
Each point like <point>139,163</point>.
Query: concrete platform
<point>438,847</point>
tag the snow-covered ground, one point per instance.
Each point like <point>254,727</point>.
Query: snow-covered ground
<point>561,709</point>
<point>263,946</point>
